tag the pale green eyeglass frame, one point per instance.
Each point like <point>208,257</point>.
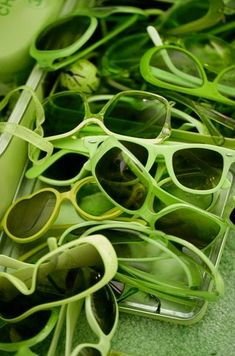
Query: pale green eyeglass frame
<point>95,251</point>
<point>59,197</point>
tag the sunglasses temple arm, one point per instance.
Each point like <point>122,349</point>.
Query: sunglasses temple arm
<point>36,141</point>
<point>72,314</point>
<point>57,332</point>
<point>154,35</point>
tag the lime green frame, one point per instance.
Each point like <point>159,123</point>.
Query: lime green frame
<point>56,59</point>
<point>206,89</point>
<point>59,198</point>
<point>91,251</point>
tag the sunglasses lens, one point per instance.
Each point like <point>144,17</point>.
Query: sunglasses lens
<point>66,167</point>
<point>104,309</point>
<point>136,115</point>
<point>189,225</point>
<point>63,33</point>
<point>92,200</point>
<point>206,163</point>
<point>117,175</point>
<point>226,83</point>
<point>29,216</point>
<point>89,351</point>
<point>63,113</point>
<point>25,329</point>
<point>175,67</point>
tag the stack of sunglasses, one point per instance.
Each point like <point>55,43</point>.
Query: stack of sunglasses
<point>131,172</point>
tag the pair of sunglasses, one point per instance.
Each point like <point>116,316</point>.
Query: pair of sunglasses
<point>78,34</point>
<point>147,115</point>
<point>122,170</point>
<point>65,274</point>
<point>31,216</point>
<point>153,256</point>
<point>174,68</point>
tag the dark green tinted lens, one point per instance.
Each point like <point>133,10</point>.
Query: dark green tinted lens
<point>89,351</point>
<point>66,167</point>
<point>173,66</point>
<point>136,115</point>
<point>115,173</point>
<point>206,163</point>
<point>104,309</point>
<point>189,225</point>
<point>29,216</point>
<point>63,112</point>
<point>25,329</point>
<point>63,33</point>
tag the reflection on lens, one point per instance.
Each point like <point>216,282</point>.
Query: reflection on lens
<point>63,112</point>
<point>206,163</point>
<point>136,115</point>
<point>29,216</point>
<point>104,309</point>
<point>89,351</point>
<point>114,172</point>
<point>226,83</point>
<point>63,33</point>
<point>66,167</point>
<point>173,66</point>
<point>190,226</point>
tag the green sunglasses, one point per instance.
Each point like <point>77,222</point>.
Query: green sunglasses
<point>152,251</point>
<point>78,34</point>
<point>19,337</point>
<point>190,16</point>
<point>108,162</point>
<point>31,216</point>
<point>174,68</point>
<point>66,274</point>
<point>147,115</point>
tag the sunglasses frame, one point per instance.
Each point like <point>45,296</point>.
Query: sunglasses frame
<point>206,89</point>
<point>24,279</point>
<point>59,198</point>
<point>48,59</point>
<point>98,118</point>
<point>164,242</point>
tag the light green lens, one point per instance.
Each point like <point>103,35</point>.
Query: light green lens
<point>176,67</point>
<point>206,163</point>
<point>29,216</point>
